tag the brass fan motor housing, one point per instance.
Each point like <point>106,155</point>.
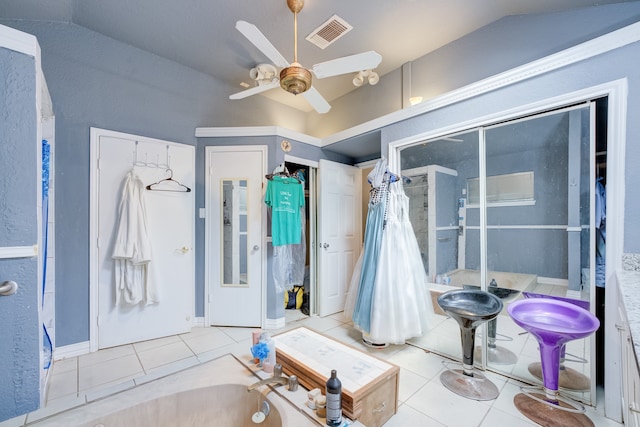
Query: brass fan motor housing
<point>295,79</point>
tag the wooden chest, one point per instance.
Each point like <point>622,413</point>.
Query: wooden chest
<point>369,384</point>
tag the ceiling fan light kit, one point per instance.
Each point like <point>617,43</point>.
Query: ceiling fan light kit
<point>373,78</point>
<point>263,72</point>
<point>369,75</point>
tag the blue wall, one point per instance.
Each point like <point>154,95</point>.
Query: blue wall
<point>96,81</point>
<point>19,345</point>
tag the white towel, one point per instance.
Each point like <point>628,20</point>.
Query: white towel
<point>132,248</point>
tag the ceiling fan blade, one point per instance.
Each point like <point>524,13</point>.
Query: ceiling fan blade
<point>256,89</point>
<point>255,36</point>
<point>347,64</point>
<point>316,100</point>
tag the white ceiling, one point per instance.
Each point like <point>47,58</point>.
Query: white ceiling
<point>201,34</point>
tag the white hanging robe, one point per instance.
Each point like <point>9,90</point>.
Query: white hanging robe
<point>132,248</point>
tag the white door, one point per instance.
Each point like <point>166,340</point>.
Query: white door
<point>339,231</point>
<point>170,221</point>
<point>235,247</point>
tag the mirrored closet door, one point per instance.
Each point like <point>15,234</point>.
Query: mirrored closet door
<point>508,208</point>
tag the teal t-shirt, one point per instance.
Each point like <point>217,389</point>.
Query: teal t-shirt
<point>285,197</point>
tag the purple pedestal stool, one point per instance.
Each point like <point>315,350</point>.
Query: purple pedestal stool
<point>569,379</point>
<point>553,323</point>
<point>470,308</point>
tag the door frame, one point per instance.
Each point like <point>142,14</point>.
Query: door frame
<point>313,228</point>
<point>616,91</point>
<point>207,227</point>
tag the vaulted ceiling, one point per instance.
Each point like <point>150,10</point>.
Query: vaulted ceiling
<point>201,34</point>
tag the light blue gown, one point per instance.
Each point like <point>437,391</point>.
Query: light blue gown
<point>372,239</point>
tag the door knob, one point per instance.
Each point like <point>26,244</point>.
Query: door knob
<point>325,245</point>
<point>8,287</point>
<point>184,249</point>
<point>256,247</point>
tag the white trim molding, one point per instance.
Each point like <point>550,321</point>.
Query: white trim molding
<point>217,132</point>
<point>18,252</point>
<point>19,41</point>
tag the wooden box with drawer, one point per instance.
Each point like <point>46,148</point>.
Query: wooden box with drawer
<point>369,384</point>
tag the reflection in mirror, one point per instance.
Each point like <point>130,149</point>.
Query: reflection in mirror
<point>535,199</point>
<point>235,234</point>
<point>437,170</point>
<point>540,246</point>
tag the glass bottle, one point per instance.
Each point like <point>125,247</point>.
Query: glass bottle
<point>334,400</point>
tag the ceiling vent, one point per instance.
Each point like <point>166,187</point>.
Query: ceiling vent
<point>327,33</point>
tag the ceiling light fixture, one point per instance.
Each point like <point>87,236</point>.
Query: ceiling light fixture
<point>366,75</point>
<point>295,79</point>
<point>263,73</point>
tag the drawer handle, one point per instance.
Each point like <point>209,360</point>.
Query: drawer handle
<point>380,408</point>
<point>632,408</point>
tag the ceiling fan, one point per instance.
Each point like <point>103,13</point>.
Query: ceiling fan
<point>294,78</point>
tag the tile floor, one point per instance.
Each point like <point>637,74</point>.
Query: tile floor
<point>518,348</point>
<point>423,401</point>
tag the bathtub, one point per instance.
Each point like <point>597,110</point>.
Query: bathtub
<point>211,394</point>
<point>435,290</point>
<point>518,281</point>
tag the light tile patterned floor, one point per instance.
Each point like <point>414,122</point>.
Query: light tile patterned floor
<point>423,401</point>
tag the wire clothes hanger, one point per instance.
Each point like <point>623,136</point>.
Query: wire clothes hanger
<point>281,170</point>
<point>178,187</point>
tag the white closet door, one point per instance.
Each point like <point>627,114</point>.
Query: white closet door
<point>170,220</point>
<point>339,231</point>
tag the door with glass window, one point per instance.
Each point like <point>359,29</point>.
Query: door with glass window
<point>235,244</point>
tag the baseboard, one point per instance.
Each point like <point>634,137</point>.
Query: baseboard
<point>552,281</point>
<point>198,322</point>
<point>574,294</point>
<point>71,350</point>
<point>275,323</point>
